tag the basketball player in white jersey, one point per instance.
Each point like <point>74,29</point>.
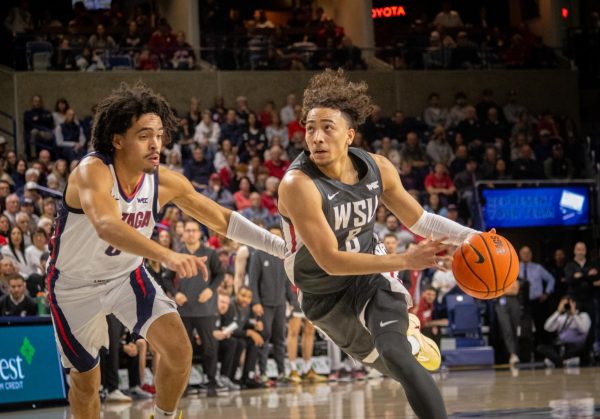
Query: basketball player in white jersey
<point>110,207</point>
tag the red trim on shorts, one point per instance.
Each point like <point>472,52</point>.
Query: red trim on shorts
<point>140,281</point>
<point>293,235</point>
<point>61,329</point>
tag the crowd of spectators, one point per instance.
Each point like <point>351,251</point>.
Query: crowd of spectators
<point>237,155</point>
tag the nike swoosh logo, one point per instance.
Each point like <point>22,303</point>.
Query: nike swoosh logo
<point>384,324</point>
<point>479,255</point>
<point>330,197</point>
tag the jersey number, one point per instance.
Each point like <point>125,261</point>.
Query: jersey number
<point>352,244</point>
<point>111,251</point>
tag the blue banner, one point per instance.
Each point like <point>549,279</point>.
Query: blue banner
<point>535,207</point>
<point>30,368</point>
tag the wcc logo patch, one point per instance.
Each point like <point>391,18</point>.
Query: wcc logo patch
<point>373,185</point>
<point>142,200</point>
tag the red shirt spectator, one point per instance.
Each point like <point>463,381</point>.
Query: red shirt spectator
<point>269,196</point>
<point>276,165</point>
<point>425,308</point>
<point>242,197</point>
<point>439,181</point>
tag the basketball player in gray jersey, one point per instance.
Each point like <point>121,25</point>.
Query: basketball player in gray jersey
<point>349,290</point>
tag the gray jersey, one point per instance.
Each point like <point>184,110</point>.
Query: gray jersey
<point>350,212</point>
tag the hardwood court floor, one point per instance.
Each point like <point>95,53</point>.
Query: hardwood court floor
<point>490,393</point>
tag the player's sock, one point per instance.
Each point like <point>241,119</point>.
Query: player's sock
<point>161,414</point>
<point>293,366</point>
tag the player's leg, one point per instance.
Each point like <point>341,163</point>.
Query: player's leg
<point>84,400</point>
<point>387,320</point>
<point>294,326</point>
<point>170,339</point>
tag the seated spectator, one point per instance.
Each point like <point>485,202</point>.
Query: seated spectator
<point>7,270</point>
<point>488,166</point>
<point>392,226</point>
<point>435,206</point>
<point>277,129</point>
<point>4,229</point>
<point>448,18</point>
<point>183,57</point>
<point>434,114</point>
<point>100,43</point>
<point>411,180</point>
<point>376,126</point>
<point>493,127</point>
<point>444,281</point>
<point>38,127</point>
<point>526,167</point>
<point>388,150</point>
<point>485,103</point>
<point>242,196</point>
<point>198,169</point>
<point>256,211</point>
<point>69,138</point>
<point>295,125</point>
<point>23,223</point>
<point>15,251</point>
<point>88,61</point>
<point>161,41</point>
<point>438,149</point>
<point>13,206</point>
<point>465,185</point>
<point>542,148</point>
<point>501,171</point>
<point>460,160</point>
<point>558,166</point>
<point>516,143</point>
<point>60,111</point>
<point>147,61</point>
<point>297,145</point>
<point>457,112</point>
<point>217,193</point>
<point>17,303</point>
<point>222,155</point>
<point>269,196</point>
<point>133,40</point>
<point>287,114</point>
<point>436,55</point>
<point>572,328</point>
<point>513,108</point>
<point>414,152</point>
<point>207,133</point>
<point>275,164</point>
<point>231,129</point>
<point>469,128</point>
<point>439,182</point>
<point>425,311</point>
<point>464,55</point>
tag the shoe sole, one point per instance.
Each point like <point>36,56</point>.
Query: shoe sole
<point>429,354</point>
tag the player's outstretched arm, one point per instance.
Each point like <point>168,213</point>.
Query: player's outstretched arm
<point>90,187</point>
<point>411,214</point>
<point>301,202</point>
<point>175,188</point>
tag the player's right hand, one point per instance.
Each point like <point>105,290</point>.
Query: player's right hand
<point>186,266</point>
<point>425,254</point>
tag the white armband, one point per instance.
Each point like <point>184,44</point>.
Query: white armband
<point>436,226</point>
<point>246,232</point>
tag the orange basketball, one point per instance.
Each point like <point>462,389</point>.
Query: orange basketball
<point>485,265</point>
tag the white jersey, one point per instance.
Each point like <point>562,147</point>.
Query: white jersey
<point>79,254</point>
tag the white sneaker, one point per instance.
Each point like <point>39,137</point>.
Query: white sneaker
<point>139,394</point>
<point>572,362</point>
<point>514,359</point>
<point>117,396</point>
<point>549,364</point>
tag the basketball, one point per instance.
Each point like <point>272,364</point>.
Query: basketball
<point>485,265</point>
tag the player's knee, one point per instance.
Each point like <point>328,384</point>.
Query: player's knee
<point>83,387</point>
<point>394,348</point>
<point>178,358</point>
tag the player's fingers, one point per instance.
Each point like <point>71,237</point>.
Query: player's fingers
<point>181,271</point>
<point>193,269</point>
<point>201,263</point>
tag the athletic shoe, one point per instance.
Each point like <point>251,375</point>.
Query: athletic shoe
<point>514,359</point>
<point>358,375</point>
<point>424,349</point>
<point>227,383</point>
<point>549,364</point>
<point>149,388</point>
<point>334,376</point>
<point>117,396</point>
<point>137,393</point>
<point>294,377</point>
<point>312,377</point>
<point>252,384</point>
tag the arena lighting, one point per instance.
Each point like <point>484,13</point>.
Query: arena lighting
<point>387,12</point>
<point>564,12</point>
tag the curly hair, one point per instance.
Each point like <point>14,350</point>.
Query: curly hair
<point>331,89</point>
<point>115,114</point>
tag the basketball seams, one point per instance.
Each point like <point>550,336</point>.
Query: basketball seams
<point>474,273</point>
<point>491,259</point>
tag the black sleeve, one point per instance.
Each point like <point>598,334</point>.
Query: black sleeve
<point>217,271</point>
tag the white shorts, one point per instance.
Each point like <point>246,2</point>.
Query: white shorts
<point>79,312</point>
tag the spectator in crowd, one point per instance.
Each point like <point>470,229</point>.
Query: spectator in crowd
<point>183,56</point>
<point>413,151</point>
<point>13,205</point>
<point>390,241</point>
<point>268,282</point>
<point>558,166</point>
<point>583,284</point>
<point>224,152</point>
<point>288,113</point>
<point>15,250</point>
<point>488,165</point>
<point>485,103</point>
<point>541,286</point>
<point>508,310</point>
<point>69,137</point>
<point>513,108</point>
<point>448,18</point>
<point>133,40</point>
<point>269,196</point>
<point>256,210</point>
<point>197,301</point>
<point>426,312</point>
<point>464,55</point>
<point>7,269</point>
<point>38,127</point>
<point>457,112</point>
<point>376,126</point>
<point>439,182</point>
<point>101,43</point>
<point>147,61</point>
<point>231,129</point>
<point>434,205</point>
<point>526,166</point>
<point>218,193</point>
<point>465,185</point>
<point>459,162</point>
<point>60,111</point>
<point>60,172</point>
<point>392,226</point>
<point>438,149</point>
<point>275,164</point>
<point>198,169</point>
<point>277,129</point>
<point>572,327</point>
<point>556,267</point>
<point>242,196</point>
<point>23,223</point>
<point>207,132</point>
<point>434,114</point>
<point>16,302</point>
<point>469,128</point>
<point>162,40</point>
<point>493,127</point>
